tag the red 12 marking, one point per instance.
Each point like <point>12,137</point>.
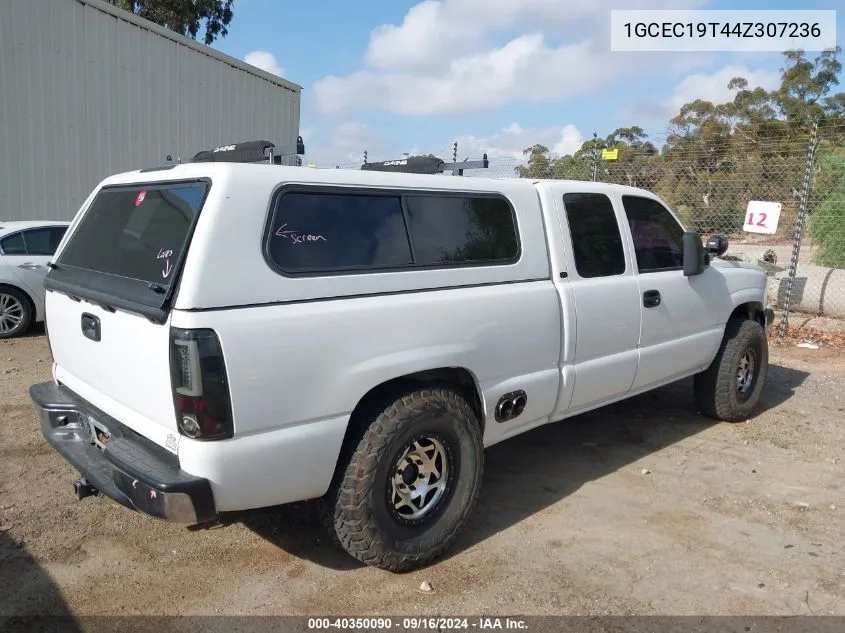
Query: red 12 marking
<point>760,222</point>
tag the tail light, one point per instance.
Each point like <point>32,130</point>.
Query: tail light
<point>200,388</point>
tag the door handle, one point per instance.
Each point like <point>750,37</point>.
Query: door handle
<point>29,266</point>
<point>651,298</point>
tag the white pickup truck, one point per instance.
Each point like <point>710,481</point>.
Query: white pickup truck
<point>230,336</point>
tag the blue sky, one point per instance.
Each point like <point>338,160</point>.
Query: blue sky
<point>395,76</point>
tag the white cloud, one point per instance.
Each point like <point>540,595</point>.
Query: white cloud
<point>265,61</point>
<point>713,86</point>
<point>433,31</point>
<point>509,143</point>
<point>525,69</point>
<point>446,56</point>
<point>344,144</point>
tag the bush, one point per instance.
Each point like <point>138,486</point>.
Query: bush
<point>827,221</point>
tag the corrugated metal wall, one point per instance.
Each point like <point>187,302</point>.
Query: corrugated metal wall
<point>85,94</point>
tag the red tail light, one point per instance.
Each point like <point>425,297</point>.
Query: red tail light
<point>200,387</point>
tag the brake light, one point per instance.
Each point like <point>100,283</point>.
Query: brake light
<point>200,387</point>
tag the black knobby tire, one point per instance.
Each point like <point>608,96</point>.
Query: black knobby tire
<point>26,312</point>
<point>717,390</point>
<point>357,508</point>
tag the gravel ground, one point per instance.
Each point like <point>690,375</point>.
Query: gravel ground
<point>643,507</point>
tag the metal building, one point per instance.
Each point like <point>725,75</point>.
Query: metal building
<point>88,90</point>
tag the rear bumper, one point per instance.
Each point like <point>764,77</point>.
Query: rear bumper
<point>130,469</point>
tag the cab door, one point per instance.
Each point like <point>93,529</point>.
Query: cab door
<point>601,283</point>
<point>681,324</point>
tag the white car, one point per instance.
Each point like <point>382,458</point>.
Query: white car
<point>230,336</point>
<point>25,250</point>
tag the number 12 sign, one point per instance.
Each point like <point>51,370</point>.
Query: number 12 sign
<point>762,217</point>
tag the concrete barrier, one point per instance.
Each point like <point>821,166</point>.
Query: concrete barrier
<point>816,290</point>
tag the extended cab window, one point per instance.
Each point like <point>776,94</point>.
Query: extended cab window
<point>658,238</point>
<point>321,231</point>
<point>596,240</point>
<point>135,232</point>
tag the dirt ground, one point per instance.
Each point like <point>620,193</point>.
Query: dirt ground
<point>643,507</point>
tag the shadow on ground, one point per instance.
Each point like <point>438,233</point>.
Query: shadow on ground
<point>29,599</point>
<point>537,469</point>
<point>34,331</point>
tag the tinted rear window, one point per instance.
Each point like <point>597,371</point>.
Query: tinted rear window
<point>136,232</point>
<point>44,241</point>
<point>13,245</point>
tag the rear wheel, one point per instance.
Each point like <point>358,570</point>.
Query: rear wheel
<point>730,389</point>
<point>15,313</point>
<point>410,483</point>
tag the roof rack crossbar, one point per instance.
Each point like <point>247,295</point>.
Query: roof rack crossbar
<point>426,165</point>
<point>250,152</point>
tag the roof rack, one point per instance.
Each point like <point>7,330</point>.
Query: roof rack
<point>248,152</point>
<point>426,165</point>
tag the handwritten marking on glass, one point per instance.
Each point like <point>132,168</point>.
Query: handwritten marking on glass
<point>165,254</point>
<point>296,237</point>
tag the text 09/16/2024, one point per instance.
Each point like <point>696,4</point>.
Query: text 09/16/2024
<point>716,31</point>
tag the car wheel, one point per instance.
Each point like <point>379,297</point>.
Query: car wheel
<point>15,313</point>
<point>729,390</point>
<point>410,483</point>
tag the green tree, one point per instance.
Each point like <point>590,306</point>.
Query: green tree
<point>538,165</point>
<point>805,86</point>
<point>184,16</point>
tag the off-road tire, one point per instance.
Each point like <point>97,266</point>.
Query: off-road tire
<point>356,510</point>
<point>717,392</point>
<point>28,313</point>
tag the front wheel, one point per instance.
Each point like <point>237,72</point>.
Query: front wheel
<point>730,389</point>
<point>411,482</point>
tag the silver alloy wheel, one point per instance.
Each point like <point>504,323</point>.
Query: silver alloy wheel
<point>746,371</point>
<point>11,313</point>
<point>419,478</point>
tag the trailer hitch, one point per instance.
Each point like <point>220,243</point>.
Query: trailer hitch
<point>84,489</point>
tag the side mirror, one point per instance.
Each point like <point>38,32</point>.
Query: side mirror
<point>695,257</point>
<point>717,245</point>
